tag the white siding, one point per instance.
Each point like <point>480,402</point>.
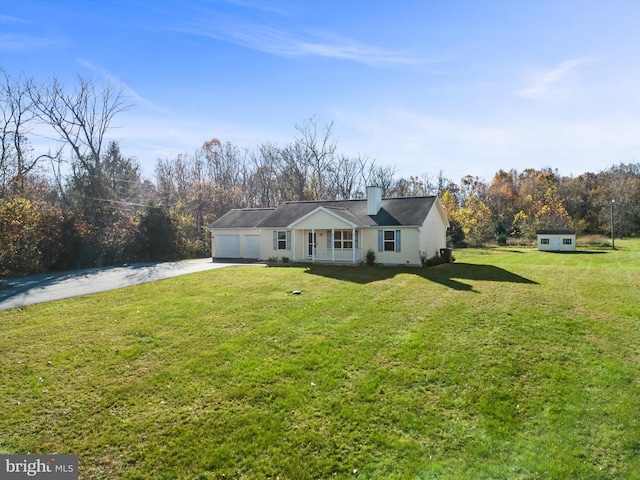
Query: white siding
<point>408,254</point>
<point>429,238</point>
<point>266,245</point>
<point>556,242</point>
<point>433,234</point>
<point>322,221</point>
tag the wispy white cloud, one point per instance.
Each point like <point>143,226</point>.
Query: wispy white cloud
<point>418,142</point>
<point>137,99</point>
<point>332,46</point>
<point>292,43</point>
<point>18,43</point>
<point>546,81</point>
<point>10,19</point>
<point>150,137</point>
<point>261,6</point>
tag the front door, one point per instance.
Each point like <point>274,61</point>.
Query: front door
<point>311,243</point>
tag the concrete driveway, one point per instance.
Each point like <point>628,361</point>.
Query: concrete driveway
<point>19,292</point>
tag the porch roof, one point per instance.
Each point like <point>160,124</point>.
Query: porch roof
<point>339,213</point>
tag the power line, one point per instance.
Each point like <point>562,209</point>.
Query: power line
<point>122,202</point>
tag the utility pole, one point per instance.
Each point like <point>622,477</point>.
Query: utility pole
<point>613,240</point>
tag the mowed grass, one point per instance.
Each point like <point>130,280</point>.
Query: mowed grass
<point>510,363</point>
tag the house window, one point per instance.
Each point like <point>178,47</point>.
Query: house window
<point>544,241</point>
<point>342,239</point>
<point>566,241</point>
<point>388,240</point>
<point>281,240</point>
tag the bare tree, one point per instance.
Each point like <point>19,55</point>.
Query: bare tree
<point>164,181</point>
<point>264,178</point>
<point>316,150</point>
<point>224,163</point>
<point>344,182</point>
<point>294,175</point>
<point>17,115</point>
<point>80,118</point>
<point>380,176</point>
<point>182,179</point>
<point>622,185</point>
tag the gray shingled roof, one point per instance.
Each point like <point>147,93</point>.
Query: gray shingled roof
<point>555,232</point>
<point>403,211</point>
<point>242,218</point>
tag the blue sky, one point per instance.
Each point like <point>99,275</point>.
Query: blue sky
<point>466,87</point>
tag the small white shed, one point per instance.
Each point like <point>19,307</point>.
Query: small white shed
<point>556,240</point>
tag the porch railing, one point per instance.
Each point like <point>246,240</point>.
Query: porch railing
<point>342,255</point>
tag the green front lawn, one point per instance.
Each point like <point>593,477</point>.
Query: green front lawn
<point>510,363</point>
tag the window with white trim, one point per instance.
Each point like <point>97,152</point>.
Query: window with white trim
<point>389,241</point>
<point>567,241</point>
<point>544,241</point>
<point>281,240</point>
<point>342,239</point>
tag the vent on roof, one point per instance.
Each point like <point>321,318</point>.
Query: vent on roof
<point>374,199</point>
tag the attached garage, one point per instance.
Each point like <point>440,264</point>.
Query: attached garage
<point>227,246</point>
<point>234,235</point>
<point>252,247</point>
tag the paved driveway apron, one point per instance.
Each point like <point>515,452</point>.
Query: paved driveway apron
<point>19,292</point>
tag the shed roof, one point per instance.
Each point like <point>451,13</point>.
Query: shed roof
<point>555,232</point>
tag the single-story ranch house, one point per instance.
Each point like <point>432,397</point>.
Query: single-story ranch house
<point>556,240</point>
<point>398,230</point>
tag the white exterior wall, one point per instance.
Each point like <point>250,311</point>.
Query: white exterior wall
<point>367,238</point>
<point>409,241</point>
<point>298,245</point>
<point>322,221</point>
<point>428,238</point>
<point>556,243</point>
<point>433,234</point>
<point>266,245</point>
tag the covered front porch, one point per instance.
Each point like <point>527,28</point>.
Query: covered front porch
<point>327,245</point>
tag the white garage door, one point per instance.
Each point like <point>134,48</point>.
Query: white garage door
<point>227,246</point>
<point>252,246</point>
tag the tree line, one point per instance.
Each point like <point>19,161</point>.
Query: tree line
<point>85,203</point>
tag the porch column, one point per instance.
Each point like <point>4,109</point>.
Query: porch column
<point>313,246</point>
<point>353,243</point>
<point>293,243</point>
<point>333,247</point>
